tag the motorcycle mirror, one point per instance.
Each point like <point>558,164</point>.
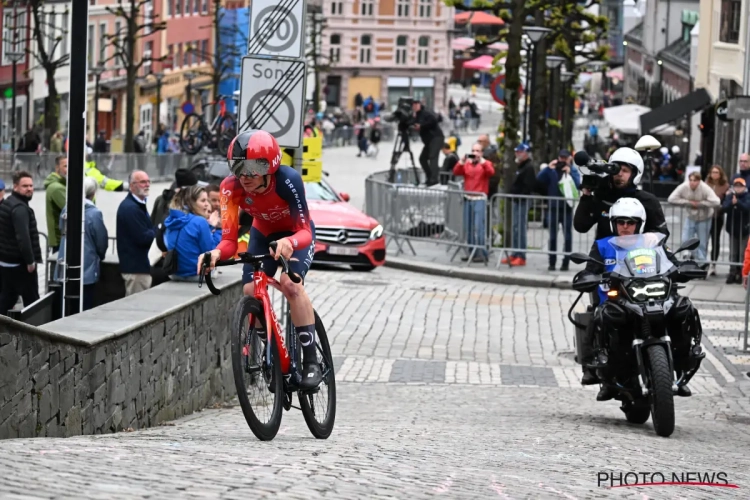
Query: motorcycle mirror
<point>580,258</point>
<point>694,273</point>
<point>690,244</point>
<point>647,143</point>
<point>585,281</point>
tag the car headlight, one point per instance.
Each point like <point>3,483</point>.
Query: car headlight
<point>376,232</point>
<point>642,291</point>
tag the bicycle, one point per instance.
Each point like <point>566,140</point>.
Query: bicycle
<point>195,134</point>
<point>273,365</point>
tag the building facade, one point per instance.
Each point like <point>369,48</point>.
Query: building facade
<point>14,34</point>
<point>387,49</point>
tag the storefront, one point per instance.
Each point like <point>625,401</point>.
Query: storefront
<point>6,130</point>
<point>421,89</point>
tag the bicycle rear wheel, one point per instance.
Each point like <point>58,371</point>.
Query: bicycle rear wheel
<point>191,134</point>
<point>256,377</point>
<point>320,417</point>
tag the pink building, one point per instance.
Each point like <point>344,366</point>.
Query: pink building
<point>387,49</point>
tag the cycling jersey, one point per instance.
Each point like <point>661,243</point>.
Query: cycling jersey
<point>281,207</point>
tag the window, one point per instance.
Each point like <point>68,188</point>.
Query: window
<point>14,27</point>
<point>178,7</point>
<point>102,43</point>
<point>171,56</point>
<point>366,7</point>
<point>402,10</point>
<point>170,8</point>
<point>186,55</point>
<point>364,49</point>
<point>205,6</point>
<point>196,6</point>
<point>337,8</point>
<point>729,31</point>
<point>65,30</point>
<point>148,49</point>
<point>188,5</point>
<point>178,59</point>
<point>91,47</point>
<point>423,53</point>
<point>204,51</point>
<point>401,50</point>
<point>118,27</point>
<point>335,50</point>
<point>425,8</point>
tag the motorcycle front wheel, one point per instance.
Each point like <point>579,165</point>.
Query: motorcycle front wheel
<point>662,397</point>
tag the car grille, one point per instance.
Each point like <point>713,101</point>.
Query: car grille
<point>342,235</point>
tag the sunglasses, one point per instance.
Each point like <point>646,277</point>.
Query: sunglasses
<point>626,222</point>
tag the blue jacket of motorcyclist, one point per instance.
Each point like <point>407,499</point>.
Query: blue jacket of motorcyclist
<point>627,216</point>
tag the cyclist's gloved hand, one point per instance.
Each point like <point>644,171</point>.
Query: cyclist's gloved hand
<point>284,249</point>
<point>215,256</point>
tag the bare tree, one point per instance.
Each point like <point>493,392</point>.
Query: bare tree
<point>137,26</point>
<point>47,37</point>
<point>225,55</point>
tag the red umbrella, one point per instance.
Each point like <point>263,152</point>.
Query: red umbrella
<point>477,18</point>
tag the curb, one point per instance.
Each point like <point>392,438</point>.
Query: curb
<point>483,275</point>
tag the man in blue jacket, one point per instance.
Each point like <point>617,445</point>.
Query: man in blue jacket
<point>135,234</point>
<point>550,182</point>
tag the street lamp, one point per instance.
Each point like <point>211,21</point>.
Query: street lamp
<point>15,58</point>
<point>566,77</point>
<point>159,77</point>
<point>534,34</point>
<point>97,71</point>
<point>190,76</point>
<point>554,62</point>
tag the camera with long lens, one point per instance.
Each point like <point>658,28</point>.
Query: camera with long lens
<point>594,173</point>
<point>403,113</point>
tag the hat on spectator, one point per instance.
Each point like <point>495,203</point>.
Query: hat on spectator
<point>739,180</point>
<point>523,148</point>
<point>184,178</point>
<point>564,153</point>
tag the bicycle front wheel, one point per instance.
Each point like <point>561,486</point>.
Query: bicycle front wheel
<point>319,408</point>
<point>257,378</point>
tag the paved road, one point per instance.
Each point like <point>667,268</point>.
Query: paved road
<point>447,388</point>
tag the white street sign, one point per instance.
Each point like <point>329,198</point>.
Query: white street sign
<point>277,28</point>
<point>272,98</point>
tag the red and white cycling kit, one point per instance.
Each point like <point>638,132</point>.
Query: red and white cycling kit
<point>280,208</point>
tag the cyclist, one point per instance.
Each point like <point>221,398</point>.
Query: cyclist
<point>274,195</point>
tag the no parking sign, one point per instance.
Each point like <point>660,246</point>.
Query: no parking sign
<point>497,89</point>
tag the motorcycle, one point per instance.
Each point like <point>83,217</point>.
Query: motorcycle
<point>633,352</point>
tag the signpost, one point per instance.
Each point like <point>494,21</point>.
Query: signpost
<point>722,110</point>
<point>187,107</point>
<point>274,72</point>
<point>738,108</point>
<point>497,89</point>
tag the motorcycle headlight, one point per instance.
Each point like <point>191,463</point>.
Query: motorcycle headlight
<point>376,232</point>
<point>643,291</point>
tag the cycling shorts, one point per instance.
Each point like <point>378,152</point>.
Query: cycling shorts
<point>259,245</point>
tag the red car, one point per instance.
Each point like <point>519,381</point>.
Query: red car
<point>343,234</point>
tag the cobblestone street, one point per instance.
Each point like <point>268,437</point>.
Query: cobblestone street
<point>446,388</point>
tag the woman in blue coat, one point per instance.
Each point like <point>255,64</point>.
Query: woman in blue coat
<point>188,231</point>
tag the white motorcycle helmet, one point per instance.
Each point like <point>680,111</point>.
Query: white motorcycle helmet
<point>676,150</point>
<point>628,208</point>
<point>632,158</point>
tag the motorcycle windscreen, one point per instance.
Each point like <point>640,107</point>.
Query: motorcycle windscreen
<point>641,255</point>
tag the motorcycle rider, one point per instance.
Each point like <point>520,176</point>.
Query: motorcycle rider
<point>627,217</point>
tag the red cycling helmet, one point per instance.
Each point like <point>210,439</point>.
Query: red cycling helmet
<point>254,153</point>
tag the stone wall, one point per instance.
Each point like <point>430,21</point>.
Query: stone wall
<point>53,385</point>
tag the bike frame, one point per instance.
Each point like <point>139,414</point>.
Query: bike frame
<point>261,281</point>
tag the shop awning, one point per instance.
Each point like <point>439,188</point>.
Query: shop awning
<point>686,105</point>
<point>626,120</point>
<point>481,63</point>
<point>477,18</point>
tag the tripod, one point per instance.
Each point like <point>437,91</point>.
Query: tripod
<point>400,146</point>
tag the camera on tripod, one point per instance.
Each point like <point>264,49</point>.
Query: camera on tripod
<point>403,113</point>
<point>594,173</point>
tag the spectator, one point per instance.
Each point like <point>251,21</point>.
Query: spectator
<point>56,143</point>
<point>552,182</point>
<point>737,207</point>
<point>717,180</point>
<point>449,162</point>
<point>746,266</point>
<point>182,178</point>
<point>361,139</point>
<point>375,137</point>
<point>490,152</point>
<point>701,202</point>
<point>30,142</point>
<point>523,184</point>
<point>2,190</point>
<point>214,197</point>
<point>187,230</point>
<point>135,233</point>
<point>100,143</point>
<point>139,143</point>
<point>476,172</point>
<point>19,245</point>
<point>433,140</point>
<point>55,188</point>
<point>95,243</point>
<point>744,171</point>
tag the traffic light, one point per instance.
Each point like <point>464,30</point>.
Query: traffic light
<point>8,93</point>
<point>707,121</point>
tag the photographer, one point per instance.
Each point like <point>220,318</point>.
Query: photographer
<point>426,122</point>
<point>595,202</point>
<point>476,172</point>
